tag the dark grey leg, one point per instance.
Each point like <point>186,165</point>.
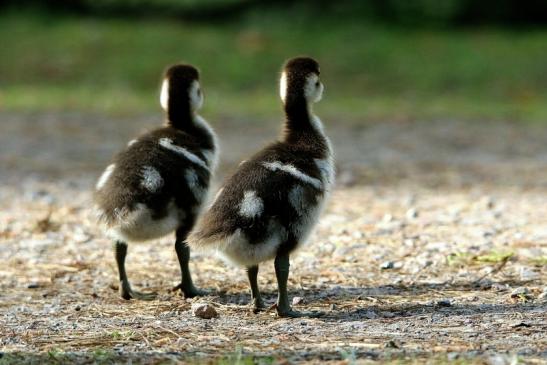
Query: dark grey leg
<point>252,274</point>
<point>183,253</point>
<point>284,309</point>
<point>120,252</point>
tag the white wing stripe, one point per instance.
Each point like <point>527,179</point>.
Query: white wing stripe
<point>290,169</point>
<point>168,143</point>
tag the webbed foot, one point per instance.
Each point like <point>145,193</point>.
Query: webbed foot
<point>190,291</point>
<point>127,293</point>
<point>289,313</point>
<point>258,305</point>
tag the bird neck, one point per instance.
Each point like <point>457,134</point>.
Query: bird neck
<point>187,122</point>
<point>180,115</point>
<point>301,126</point>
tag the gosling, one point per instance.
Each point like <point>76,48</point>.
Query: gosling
<point>159,182</point>
<point>269,206</point>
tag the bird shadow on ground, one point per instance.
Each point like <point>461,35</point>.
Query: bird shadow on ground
<point>358,300</point>
<point>415,309</point>
<point>414,289</point>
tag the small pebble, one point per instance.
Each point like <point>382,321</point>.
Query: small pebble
<point>499,287</point>
<point>332,307</point>
<point>499,359</point>
<point>297,300</point>
<point>519,291</point>
<point>527,274</point>
<point>485,284</point>
<point>520,324</point>
<point>204,310</point>
<point>427,263</point>
<point>451,356</point>
<point>371,315</point>
<point>409,242</point>
<point>411,213</point>
<point>487,202</point>
<point>387,265</point>
<point>387,217</point>
<point>391,344</point>
<point>33,286</point>
<point>444,303</point>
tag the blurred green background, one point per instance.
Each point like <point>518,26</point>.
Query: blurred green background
<point>381,60</point>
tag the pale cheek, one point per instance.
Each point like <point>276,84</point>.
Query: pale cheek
<point>164,95</point>
<point>319,93</point>
<point>198,101</point>
<point>313,90</point>
<point>196,98</point>
<point>283,86</point>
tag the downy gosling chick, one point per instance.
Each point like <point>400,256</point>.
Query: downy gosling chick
<point>268,208</point>
<point>159,182</point>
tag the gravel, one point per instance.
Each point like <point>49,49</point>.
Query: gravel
<point>441,214</point>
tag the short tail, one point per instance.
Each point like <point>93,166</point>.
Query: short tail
<point>200,241</point>
<point>210,233</point>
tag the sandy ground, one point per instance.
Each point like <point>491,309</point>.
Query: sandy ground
<point>433,248</point>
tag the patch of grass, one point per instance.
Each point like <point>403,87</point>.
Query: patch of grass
<point>467,258</point>
<point>370,72</point>
<point>539,261</point>
<point>111,357</point>
<point>97,356</point>
<point>104,356</point>
<point>458,258</point>
<point>56,355</point>
<point>122,335</point>
<point>349,355</point>
<point>441,359</point>
<point>494,257</point>
<point>239,358</point>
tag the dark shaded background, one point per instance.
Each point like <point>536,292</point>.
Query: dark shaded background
<point>447,13</point>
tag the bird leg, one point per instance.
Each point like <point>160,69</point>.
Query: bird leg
<point>183,253</point>
<point>284,309</point>
<point>120,252</point>
<point>252,274</point>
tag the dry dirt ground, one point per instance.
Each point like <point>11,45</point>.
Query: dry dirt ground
<point>433,249</point>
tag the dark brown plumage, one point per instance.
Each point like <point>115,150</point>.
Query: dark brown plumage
<point>158,184</point>
<point>269,206</point>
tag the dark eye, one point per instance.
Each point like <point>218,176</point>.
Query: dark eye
<point>317,83</point>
